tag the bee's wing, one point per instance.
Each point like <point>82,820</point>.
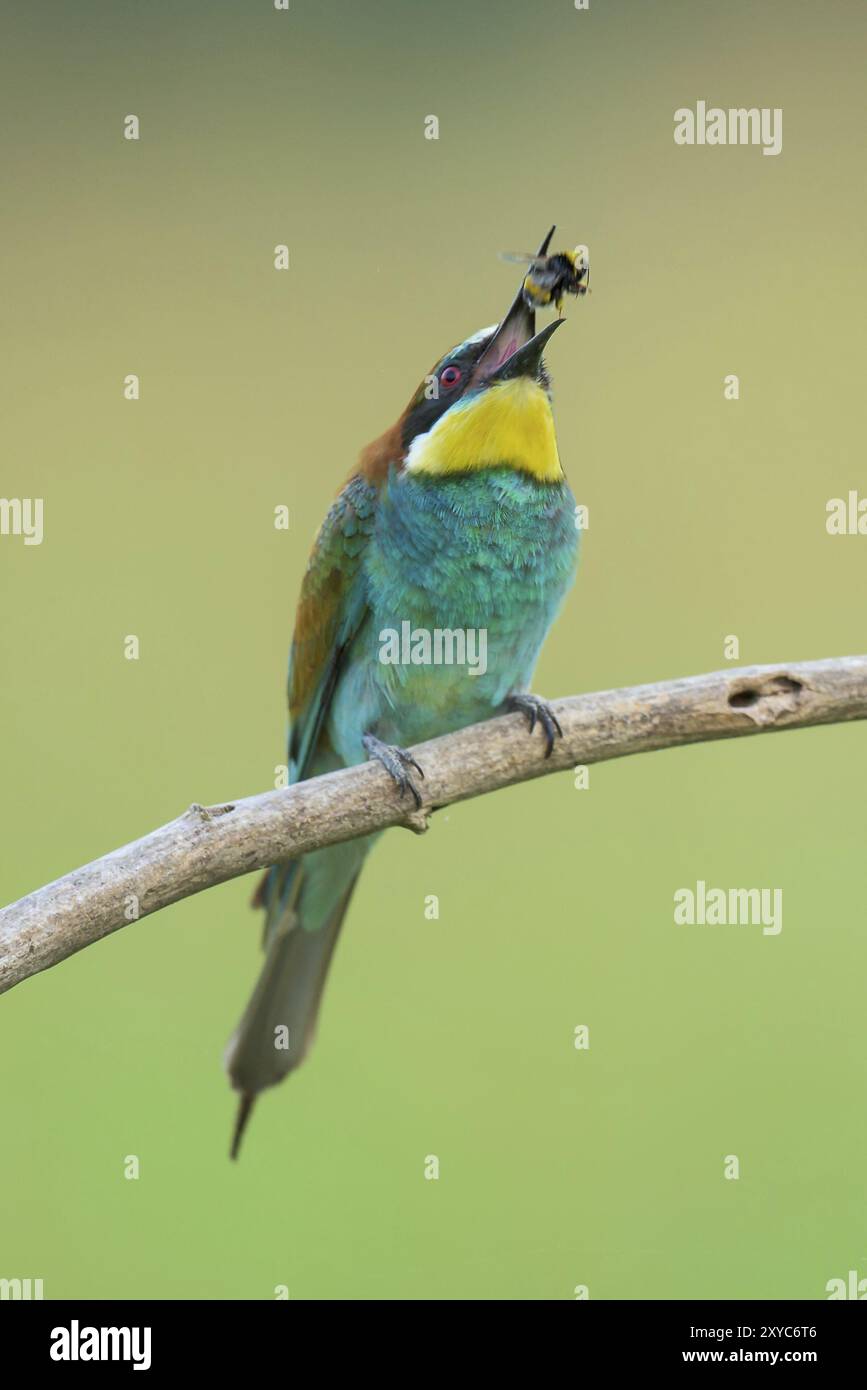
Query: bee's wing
<point>525,258</point>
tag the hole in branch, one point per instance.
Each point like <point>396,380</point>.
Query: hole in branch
<point>750,695</point>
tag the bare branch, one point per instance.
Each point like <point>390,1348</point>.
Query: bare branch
<point>206,846</point>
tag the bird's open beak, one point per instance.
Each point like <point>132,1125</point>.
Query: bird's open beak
<point>526,359</point>
<point>516,348</point>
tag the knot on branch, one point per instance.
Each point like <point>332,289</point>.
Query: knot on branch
<point>766,699</point>
<point>417,821</point>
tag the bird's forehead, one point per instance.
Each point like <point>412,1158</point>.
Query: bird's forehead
<point>471,346</point>
<point>469,349</point>
<point>482,334</point>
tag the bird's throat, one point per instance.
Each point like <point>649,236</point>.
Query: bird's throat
<point>509,424</point>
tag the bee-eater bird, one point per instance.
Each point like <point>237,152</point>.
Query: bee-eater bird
<point>457,518</point>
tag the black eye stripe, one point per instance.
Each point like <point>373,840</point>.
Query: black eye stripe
<point>429,405</point>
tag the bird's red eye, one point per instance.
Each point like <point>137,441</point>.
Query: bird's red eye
<point>449,377</point>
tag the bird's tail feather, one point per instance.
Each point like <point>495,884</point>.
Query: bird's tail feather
<point>279,1022</point>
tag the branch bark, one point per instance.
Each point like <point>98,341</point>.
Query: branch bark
<point>208,845</point>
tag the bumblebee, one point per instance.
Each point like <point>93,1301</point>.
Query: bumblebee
<point>551,278</point>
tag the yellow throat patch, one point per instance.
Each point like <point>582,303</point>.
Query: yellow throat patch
<point>508,425</point>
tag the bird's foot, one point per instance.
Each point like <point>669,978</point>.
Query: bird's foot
<point>397,763</point>
<point>538,710</point>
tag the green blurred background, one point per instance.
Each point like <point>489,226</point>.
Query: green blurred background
<point>452,1037</point>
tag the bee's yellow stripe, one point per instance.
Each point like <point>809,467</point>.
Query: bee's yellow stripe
<point>541,296</point>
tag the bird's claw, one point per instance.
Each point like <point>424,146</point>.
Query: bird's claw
<point>538,710</point>
<point>397,763</point>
